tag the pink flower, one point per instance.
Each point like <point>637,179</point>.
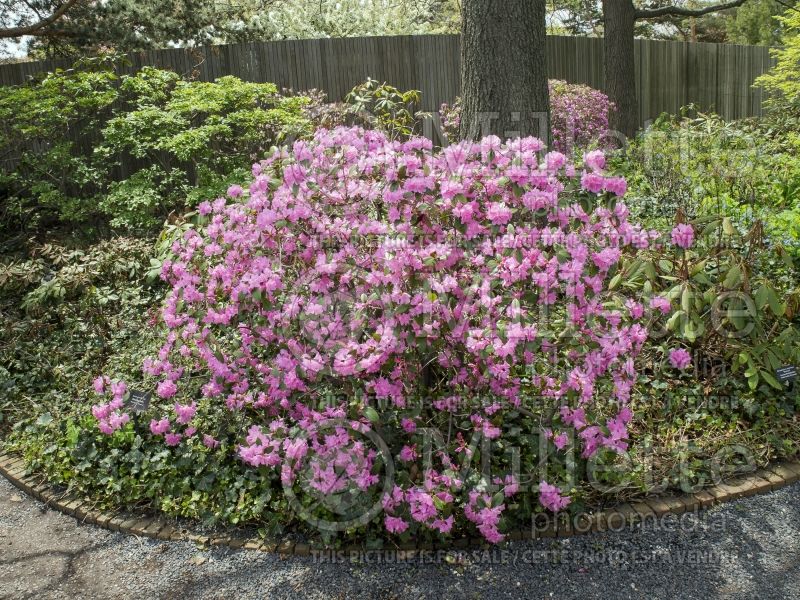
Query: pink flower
<point>576,418</point>
<point>616,185</point>
<point>680,358</point>
<point>606,258</point>
<point>408,453</point>
<point>105,427</point>
<point>443,525</point>
<point>210,442</point>
<point>118,389</point>
<point>551,498</point>
<point>661,303</point>
<point>100,384</point>
<point>683,236</point>
<point>561,440</point>
<point>185,412</point>
<point>159,427</point>
<point>592,182</point>
<point>498,213</point>
<point>101,411</point>
<point>510,485</point>
<point>173,439</point>
<point>595,160</point>
<point>409,425</point>
<point>166,389</point>
<point>395,524</point>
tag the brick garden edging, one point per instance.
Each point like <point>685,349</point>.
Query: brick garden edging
<point>760,481</point>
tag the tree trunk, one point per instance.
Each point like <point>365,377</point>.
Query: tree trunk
<point>620,17</point>
<point>504,69</point>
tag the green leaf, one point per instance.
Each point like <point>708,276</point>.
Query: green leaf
<point>733,278</point>
<point>777,307</point>
<point>371,414</point>
<point>761,297</point>
<point>765,375</point>
<point>686,299</point>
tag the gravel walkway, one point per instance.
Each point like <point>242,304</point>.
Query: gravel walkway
<point>745,549</point>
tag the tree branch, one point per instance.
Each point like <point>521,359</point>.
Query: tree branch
<point>36,28</point>
<point>674,11</point>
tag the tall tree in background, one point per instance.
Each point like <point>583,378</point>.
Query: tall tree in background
<point>620,17</point>
<point>80,27</point>
<point>504,69</point>
<point>759,23</point>
<point>297,19</point>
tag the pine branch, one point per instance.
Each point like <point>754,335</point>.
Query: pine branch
<point>675,11</point>
<point>38,27</point>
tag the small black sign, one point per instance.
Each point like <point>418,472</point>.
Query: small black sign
<point>138,401</point>
<point>786,374</point>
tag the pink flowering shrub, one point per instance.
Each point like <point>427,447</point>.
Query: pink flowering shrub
<point>363,288</point>
<point>578,115</point>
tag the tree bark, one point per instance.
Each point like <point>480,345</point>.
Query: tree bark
<point>620,68</point>
<point>504,69</point>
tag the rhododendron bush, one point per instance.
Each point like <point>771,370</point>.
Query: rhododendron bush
<point>578,116</point>
<point>384,319</point>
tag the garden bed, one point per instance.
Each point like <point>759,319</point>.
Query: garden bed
<point>371,340</point>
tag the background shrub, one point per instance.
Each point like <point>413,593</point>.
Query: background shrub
<point>578,116</point>
<point>149,144</point>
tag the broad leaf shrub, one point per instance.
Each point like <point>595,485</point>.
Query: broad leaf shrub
<point>578,116</point>
<point>192,137</point>
<point>708,375</point>
<point>371,105</point>
<point>366,292</point>
<point>87,147</point>
<point>386,108</point>
<point>735,289</point>
<point>45,175</point>
<point>704,166</point>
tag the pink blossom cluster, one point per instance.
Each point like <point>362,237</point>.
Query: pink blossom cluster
<point>683,236</point>
<point>110,416</point>
<point>430,505</point>
<point>551,498</point>
<point>680,358</point>
<point>483,510</point>
<point>370,266</point>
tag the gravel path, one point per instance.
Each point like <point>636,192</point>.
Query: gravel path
<point>745,549</point>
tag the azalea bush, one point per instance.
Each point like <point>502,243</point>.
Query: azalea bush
<point>578,116</point>
<point>376,316</point>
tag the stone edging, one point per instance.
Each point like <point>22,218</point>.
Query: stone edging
<point>760,481</point>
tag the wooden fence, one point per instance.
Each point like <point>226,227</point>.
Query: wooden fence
<point>669,75</point>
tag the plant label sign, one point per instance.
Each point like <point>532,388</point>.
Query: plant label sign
<point>786,374</point>
<point>138,401</point>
